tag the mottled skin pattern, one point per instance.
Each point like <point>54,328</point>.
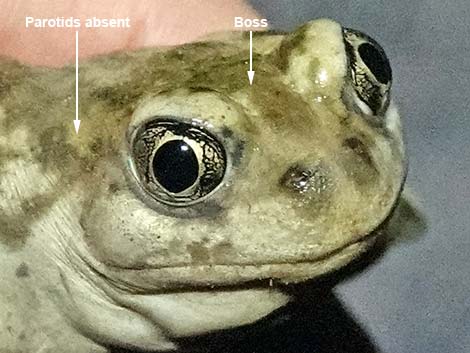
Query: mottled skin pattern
<point>90,260</point>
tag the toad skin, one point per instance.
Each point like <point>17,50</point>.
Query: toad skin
<point>100,246</point>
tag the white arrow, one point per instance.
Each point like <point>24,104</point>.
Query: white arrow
<point>76,122</point>
<point>251,73</point>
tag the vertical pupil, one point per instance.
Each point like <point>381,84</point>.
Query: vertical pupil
<point>175,166</point>
<point>376,62</point>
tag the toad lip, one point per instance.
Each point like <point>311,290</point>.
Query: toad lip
<point>203,277</point>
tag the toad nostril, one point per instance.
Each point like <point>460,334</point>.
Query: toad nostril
<point>359,149</point>
<point>302,179</point>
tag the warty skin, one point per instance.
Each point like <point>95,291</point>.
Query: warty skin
<point>90,258</point>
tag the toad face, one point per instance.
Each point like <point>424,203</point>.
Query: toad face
<point>188,192</point>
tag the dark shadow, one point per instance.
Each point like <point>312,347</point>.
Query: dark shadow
<point>316,323</point>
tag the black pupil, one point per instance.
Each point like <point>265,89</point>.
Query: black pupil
<point>376,62</point>
<point>175,166</point>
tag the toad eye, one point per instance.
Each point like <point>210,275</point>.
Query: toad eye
<point>177,163</point>
<point>370,70</point>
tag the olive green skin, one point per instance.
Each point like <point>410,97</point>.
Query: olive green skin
<point>90,257</point>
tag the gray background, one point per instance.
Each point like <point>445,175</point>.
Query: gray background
<point>416,298</point>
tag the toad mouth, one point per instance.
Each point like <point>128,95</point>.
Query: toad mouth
<point>226,276</point>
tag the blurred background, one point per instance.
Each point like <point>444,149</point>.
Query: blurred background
<point>416,297</point>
